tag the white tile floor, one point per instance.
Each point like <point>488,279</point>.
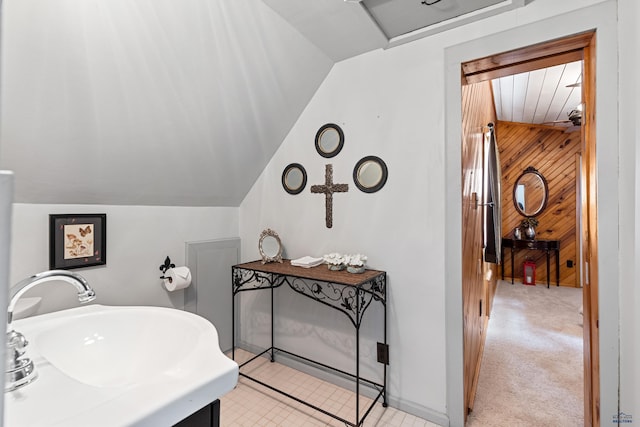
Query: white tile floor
<point>251,404</point>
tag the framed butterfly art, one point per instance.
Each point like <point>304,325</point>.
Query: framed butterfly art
<point>77,240</point>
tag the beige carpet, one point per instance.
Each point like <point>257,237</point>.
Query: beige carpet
<point>531,372</point>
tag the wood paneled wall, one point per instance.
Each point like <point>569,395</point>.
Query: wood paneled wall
<point>477,112</point>
<point>555,155</point>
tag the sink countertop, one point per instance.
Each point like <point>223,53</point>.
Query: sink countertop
<point>201,374</point>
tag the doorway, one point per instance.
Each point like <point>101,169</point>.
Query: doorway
<point>579,47</point>
<point>600,17</point>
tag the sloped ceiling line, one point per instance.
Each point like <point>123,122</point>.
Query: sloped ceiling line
<point>174,103</point>
<point>148,103</point>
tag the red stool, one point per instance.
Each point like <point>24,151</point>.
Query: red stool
<point>529,273</point>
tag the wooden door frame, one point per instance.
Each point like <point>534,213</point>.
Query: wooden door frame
<point>589,220</point>
<point>602,18</point>
<point>542,55</point>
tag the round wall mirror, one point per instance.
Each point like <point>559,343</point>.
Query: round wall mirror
<point>370,174</point>
<point>329,140</point>
<point>294,178</point>
<point>270,246</point>
<point>530,193</point>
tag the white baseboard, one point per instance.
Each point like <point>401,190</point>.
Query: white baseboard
<point>348,384</point>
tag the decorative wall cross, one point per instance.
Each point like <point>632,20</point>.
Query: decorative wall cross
<point>328,189</point>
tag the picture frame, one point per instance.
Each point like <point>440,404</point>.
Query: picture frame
<point>77,240</point>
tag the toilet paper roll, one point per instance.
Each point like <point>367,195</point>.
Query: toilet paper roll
<point>177,278</point>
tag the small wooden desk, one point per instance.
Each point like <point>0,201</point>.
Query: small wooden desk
<point>537,245</point>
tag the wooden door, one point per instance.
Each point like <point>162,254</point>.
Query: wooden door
<point>478,111</point>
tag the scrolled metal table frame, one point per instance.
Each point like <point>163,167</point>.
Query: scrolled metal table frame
<point>350,294</point>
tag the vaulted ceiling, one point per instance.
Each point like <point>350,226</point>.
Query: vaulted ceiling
<point>148,102</point>
<point>160,102</point>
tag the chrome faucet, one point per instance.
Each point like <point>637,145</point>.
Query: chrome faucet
<point>20,370</point>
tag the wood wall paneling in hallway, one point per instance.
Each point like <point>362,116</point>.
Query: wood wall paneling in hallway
<point>553,153</point>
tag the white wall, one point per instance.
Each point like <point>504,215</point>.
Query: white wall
<point>629,16</point>
<point>138,240</point>
<point>392,104</point>
<point>376,99</point>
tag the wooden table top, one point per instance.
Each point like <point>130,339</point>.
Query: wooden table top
<point>320,272</point>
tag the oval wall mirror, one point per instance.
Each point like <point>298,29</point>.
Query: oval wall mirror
<point>294,178</point>
<point>329,140</point>
<point>270,246</point>
<point>370,174</point>
<point>530,193</point>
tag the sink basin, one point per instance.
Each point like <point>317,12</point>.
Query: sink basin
<point>119,366</point>
<point>121,347</point>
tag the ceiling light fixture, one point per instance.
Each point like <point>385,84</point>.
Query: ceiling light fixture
<point>352,1</point>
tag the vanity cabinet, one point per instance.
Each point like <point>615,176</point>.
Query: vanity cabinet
<point>209,416</point>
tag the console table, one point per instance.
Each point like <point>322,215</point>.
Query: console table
<point>350,294</point>
<point>538,245</point>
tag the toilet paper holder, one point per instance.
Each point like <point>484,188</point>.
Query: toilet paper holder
<point>167,265</point>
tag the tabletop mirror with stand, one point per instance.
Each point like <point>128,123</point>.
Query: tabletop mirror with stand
<point>270,246</point>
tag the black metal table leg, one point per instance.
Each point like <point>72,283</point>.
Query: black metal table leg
<point>502,262</point>
<point>384,380</point>
<point>273,358</point>
<point>512,267</point>
<point>358,358</point>
<point>233,319</point>
<point>548,268</point>
<point>558,267</point>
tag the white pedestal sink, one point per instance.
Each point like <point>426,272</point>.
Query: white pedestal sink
<point>119,366</point>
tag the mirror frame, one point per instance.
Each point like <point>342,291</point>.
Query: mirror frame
<point>319,134</point>
<point>266,258</point>
<point>531,170</point>
<point>383,179</point>
<point>286,171</point>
